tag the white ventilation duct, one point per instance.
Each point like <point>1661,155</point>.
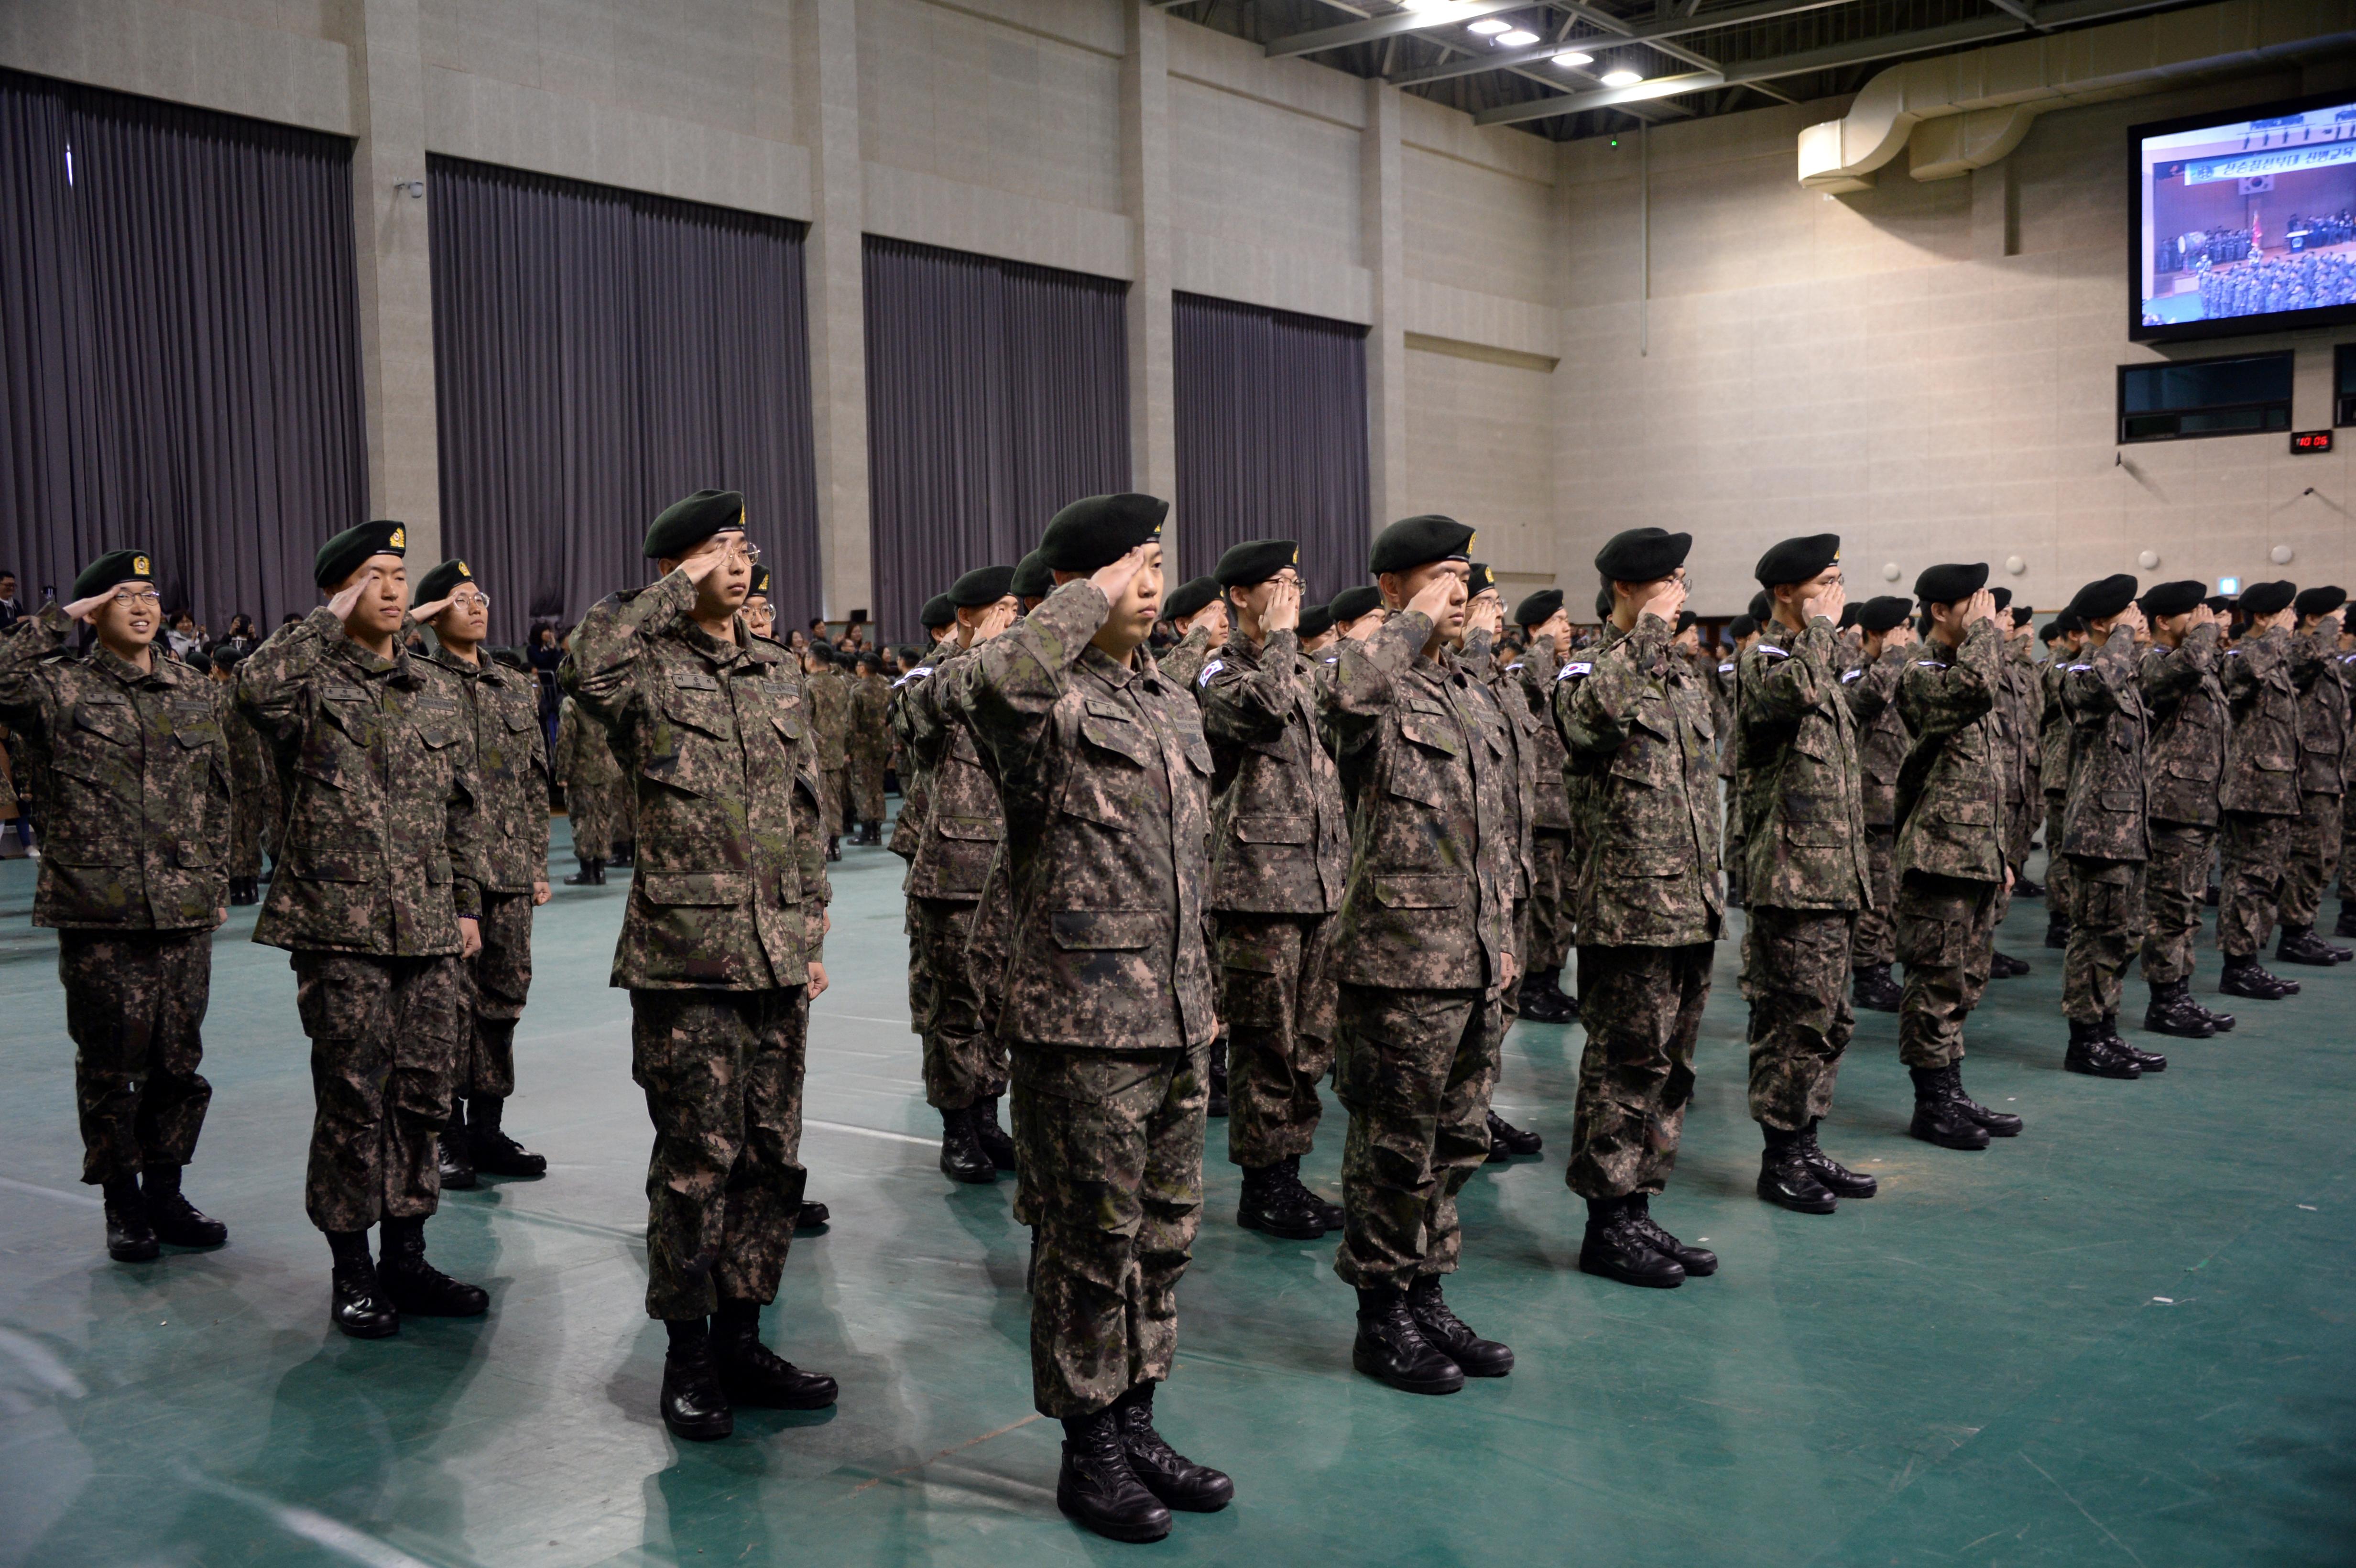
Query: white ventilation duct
<point>1964,112</point>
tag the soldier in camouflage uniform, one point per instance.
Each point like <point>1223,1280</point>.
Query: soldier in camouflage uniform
<point>593,785</point>
<point>2259,794</point>
<point>2346,924</point>
<point>1530,683</point>
<point>943,635</point>
<point>379,901</point>
<point>2187,703</point>
<point>1737,768</point>
<point>1198,613</point>
<point>1952,849</point>
<point>510,769</point>
<point>870,746</point>
<point>722,949</point>
<point>1105,778</point>
<point>2314,850</point>
<point>2020,711</point>
<point>1424,949</point>
<point>2065,640</point>
<point>135,786</point>
<point>1803,829</point>
<point>256,815</point>
<point>1638,729</point>
<point>829,712</point>
<point>1882,744</point>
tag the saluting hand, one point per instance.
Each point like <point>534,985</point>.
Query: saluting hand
<point>1669,602</point>
<point>994,620</point>
<point>1283,608</point>
<point>1365,626</point>
<point>1980,606</point>
<point>1901,635</point>
<point>1834,599</point>
<point>2130,620</point>
<point>1485,615</point>
<point>347,597</point>
<point>424,614</point>
<point>86,610</point>
<point>1113,581</point>
<point>1430,600</point>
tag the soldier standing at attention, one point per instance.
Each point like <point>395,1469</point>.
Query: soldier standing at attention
<point>134,877</point>
<point>1951,851</point>
<point>502,719</point>
<point>2314,850</point>
<point>2105,833</point>
<point>1279,852</point>
<point>2065,640</point>
<point>938,618</point>
<point>1803,823</point>
<point>2260,793</point>
<point>722,949</point>
<point>1882,743</point>
<point>256,818</point>
<point>829,710</point>
<point>1316,629</point>
<point>1197,611</point>
<point>1105,779</point>
<point>760,616</point>
<point>870,746</point>
<point>2187,703</point>
<point>586,770</point>
<point>2020,710</point>
<point>1423,947</point>
<point>1646,900</point>
<point>378,901</point>
<point>1547,625</point>
<point>1353,606</point>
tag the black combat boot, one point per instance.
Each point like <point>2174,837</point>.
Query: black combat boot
<point>1698,1262</point>
<point>1218,1104</point>
<point>1785,1178</point>
<point>354,1304</point>
<point>694,1406</point>
<point>754,1376</point>
<point>1999,1124</point>
<point>2210,898</point>
<point>2222,1022</point>
<point>129,1236</point>
<point>1619,1245</point>
<point>1169,1474</point>
<point>833,848</point>
<point>2022,888</point>
<point>243,890</point>
<point>962,1159</point>
<point>1328,1214</point>
<point>1099,1489</point>
<point>2346,924</point>
<point>1836,1178</point>
<point>2057,931</point>
<point>2299,945</point>
<point>811,1216</point>
<point>1507,1141</point>
<point>415,1287</point>
<point>2005,966</point>
<point>993,1138</point>
<point>1871,988</point>
<point>590,875</point>
<point>495,1154</point>
<point>452,1154</point>
<point>626,853</point>
<point>1451,1335</point>
<point>2173,1011</point>
<point>2150,1061</point>
<point>1543,1000</point>
<point>1392,1348</point>
<point>2243,977</point>
<point>2097,1056</point>
<point>1938,1113</point>
<point>173,1217</point>
<point>1279,1207</point>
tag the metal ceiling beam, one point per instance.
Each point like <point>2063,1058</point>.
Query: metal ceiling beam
<point>1629,32</point>
<point>1601,98</point>
<point>1375,29</point>
<point>1474,64</point>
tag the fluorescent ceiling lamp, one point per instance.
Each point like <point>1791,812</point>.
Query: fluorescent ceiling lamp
<point>1622,78</point>
<point>1488,26</point>
<point>1571,59</point>
<point>1519,38</point>
<point>1428,4</point>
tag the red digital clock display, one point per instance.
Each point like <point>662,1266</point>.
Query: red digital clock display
<point>2304,441</point>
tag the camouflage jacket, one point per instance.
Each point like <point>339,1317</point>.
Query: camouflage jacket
<point>1279,837</point>
<point>1579,775</point>
<point>383,848</point>
<point>2053,730</point>
<point>1182,665</point>
<point>2322,714</point>
<point>962,823</point>
<point>1528,692</point>
<point>2187,704</point>
<point>2020,705</point>
<point>1724,686</point>
<point>511,766</point>
<point>907,828</point>
<point>871,729</point>
<point>2106,815</point>
<point>1638,728</point>
<point>134,781</point>
<point>1803,811</point>
<point>1435,845</point>
<point>257,804</point>
<point>828,695</point>
<point>1952,802</point>
<point>730,889</point>
<point>1883,737</point>
<point>584,758</point>
<point>1479,658</point>
<point>2262,746</point>
<point>1105,779</point>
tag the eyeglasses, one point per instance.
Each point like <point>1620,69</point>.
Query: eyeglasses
<point>747,550</point>
<point>131,596</point>
<point>468,600</point>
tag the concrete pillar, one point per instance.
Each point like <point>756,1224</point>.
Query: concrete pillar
<point>395,276</point>
<point>1145,167</point>
<point>1382,242</point>
<point>826,96</point>
<point>1995,212</point>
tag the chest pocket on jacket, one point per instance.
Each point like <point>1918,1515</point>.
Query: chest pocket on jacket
<point>101,727</point>
<point>705,711</point>
<point>1109,768</point>
<point>1649,759</point>
<point>343,742</point>
<point>1419,772</point>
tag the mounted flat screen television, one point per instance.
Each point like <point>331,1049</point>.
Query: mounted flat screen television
<point>2244,221</point>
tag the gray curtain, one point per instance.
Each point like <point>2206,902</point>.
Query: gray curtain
<point>996,392</point>
<point>179,346</point>
<point>1272,431</point>
<point>598,354</point>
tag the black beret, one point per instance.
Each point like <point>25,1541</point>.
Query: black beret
<point>2172,598</point>
<point>2022,614</point>
<point>1741,626</point>
<point>1032,578</point>
<point>1096,531</point>
<point>2105,597</point>
<point>1642,555</point>
<point>1479,579</point>
<point>2003,597</point>
<point>938,611</point>
<point>2267,598</point>
<point>821,653</point>
<point>1353,602</point>
<point>686,523</point>
<point>871,659</point>
<point>1538,608</point>
<point>2055,630</point>
<point>1848,614</point>
<point>2220,602</point>
<point>443,581</point>
<point>1255,562</point>
<point>1419,541</point>
<point>115,567</point>
<point>1603,603</point>
<point>1315,621</point>
<point>227,659</point>
<point>2320,601</point>
<point>760,582</point>
<point>1951,584</point>
<point>1763,607</point>
<point>1797,561</point>
<point>1189,597</point>
<point>1685,618</point>
<point>341,555</point>
<point>1883,614</point>
<point>198,661</point>
<point>985,585</point>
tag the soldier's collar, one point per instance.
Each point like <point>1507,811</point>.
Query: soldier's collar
<point>113,665</point>
<point>710,647</point>
<point>355,653</point>
<point>484,668</point>
<point>1112,670</point>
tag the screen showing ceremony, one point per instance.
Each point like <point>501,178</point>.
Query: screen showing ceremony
<point>2248,219</point>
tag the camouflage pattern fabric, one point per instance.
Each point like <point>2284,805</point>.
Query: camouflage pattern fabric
<point>1882,744</point>
<point>1181,664</point>
<point>2314,851</point>
<point>498,980</point>
<point>2105,930</point>
<point>2106,815</point>
<point>2057,864</point>
<point>2174,888</point>
<point>135,1011</point>
<point>1277,996</point>
<point>913,786</point>
<point>594,789</point>
<point>723,1076</point>
<point>1803,802</point>
<point>511,770</point>
<point>962,1063</point>
<point>257,808</point>
<point>1642,1009</point>
<point>2188,719</point>
<point>384,1036</point>
<point>1795,972</point>
<point>1946,937</point>
<point>2262,748</point>
<point>1552,929</point>
<point>1951,796</point>
<point>2310,856</point>
<point>2252,851</point>
<point>870,745</point>
<point>1874,938</point>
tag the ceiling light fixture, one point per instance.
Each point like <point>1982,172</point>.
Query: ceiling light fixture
<point>1622,78</point>
<point>1488,27</point>
<point>1571,59</point>
<point>1519,38</point>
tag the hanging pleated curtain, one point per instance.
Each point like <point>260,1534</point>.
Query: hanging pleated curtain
<point>179,346</point>
<point>598,354</point>
<point>996,392</point>
<point>1272,433</point>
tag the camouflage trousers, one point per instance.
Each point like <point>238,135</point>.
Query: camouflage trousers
<point>254,826</point>
<point>1277,996</point>
<point>498,979</point>
<point>1416,1070</point>
<point>1111,1148</point>
<point>1796,976</point>
<point>1945,937</point>
<point>1874,937</point>
<point>2347,846</point>
<point>1641,1008</point>
<point>986,944</point>
<point>2057,864</point>
<point>867,788</point>
<point>1551,926</point>
<point>135,1011</point>
<point>2253,850</point>
<point>2312,858</point>
<point>2020,829</point>
<point>723,1076</point>
<point>595,808</point>
<point>2105,930</point>
<point>962,1063</point>
<point>2176,880</point>
<point>384,1043</point>
<point>834,797</point>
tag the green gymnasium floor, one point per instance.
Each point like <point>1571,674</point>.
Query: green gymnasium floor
<point>2127,1336</point>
